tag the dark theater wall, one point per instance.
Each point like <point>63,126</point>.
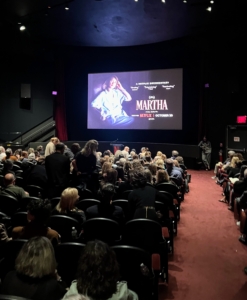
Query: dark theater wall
<point>15,70</point>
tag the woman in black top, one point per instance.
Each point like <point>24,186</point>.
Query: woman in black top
<point>35,276</point>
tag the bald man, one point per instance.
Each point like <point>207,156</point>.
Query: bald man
<point>11,189</point>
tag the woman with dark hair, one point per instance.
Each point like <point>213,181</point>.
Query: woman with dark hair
<point>35,276</point>
<point>98,274</point>
<point>87,158</point>
<point>142,198</point>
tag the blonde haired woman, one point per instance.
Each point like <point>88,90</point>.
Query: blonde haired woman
<point>36,275</point>
<point>66,206</point>
<point>160,163</point>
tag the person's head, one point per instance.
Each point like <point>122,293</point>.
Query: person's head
<point>148,175</point>
<point>180,159</point>
<point>30,150</point>
<point>54,140</point>
<point>31,156</point>
<point>127,166</point>
<point>106,166</point>
<point>169,163</point>
<point>175,153</point>
<point>231,153</point>
<point>159,153</point>
<point>75,148</point>
<point>239,155</point>
<point>136,164</point>
<point>127,149</point>
<point>138,178</point>
<point>107,192</point>
<point>162,176</point>
<point>234,161</point>
<point>152,168</point>
<point>8,164</point>
<point>37,154</point>
<point>111,83</point>
<point>36,258</point>
<point>8,152</point>
<point>160,163</point>
<point>98,271</point>
<point>9,179</point>
<point>39,148</point>
<point>122,161</point>
<point>204,138</point>
<point>60,147</point>
<point>143,149</point>
<point>90,148</point>
<point>125,154</point>
<point>68,199</point>
<point>2,149</point>
<point>111,176</point>
<point>163,156</point>
<point>39,211</point>
<point>24,154</point>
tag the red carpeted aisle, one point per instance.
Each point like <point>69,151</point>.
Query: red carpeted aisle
<point>208,261</point>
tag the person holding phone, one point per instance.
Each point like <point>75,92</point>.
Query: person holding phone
<point>109,103</point>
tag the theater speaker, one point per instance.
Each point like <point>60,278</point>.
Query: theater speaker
<point>25,96</point>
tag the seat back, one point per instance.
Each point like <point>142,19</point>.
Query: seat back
<point>143,233</point>
<point>168,187</point>
<point>19,219</point>
<point>125,194</point>
<point>35,191</point>
<point>130,258</point>
<point>19,181</point>
<point>86,203</point>
<point>11,297</point>
<point>85,194</point>
<point>102,229</point>
<point>67,257</point>
<point>124,204</point>
<point>168,199</point>
<point>8,204</point>
<point>10,252</point>
<point>63,225</point>
<point>54,201</point>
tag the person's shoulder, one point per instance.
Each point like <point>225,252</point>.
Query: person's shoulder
<point>92,209</point>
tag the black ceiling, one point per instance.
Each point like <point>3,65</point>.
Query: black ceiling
<point>104,23</point>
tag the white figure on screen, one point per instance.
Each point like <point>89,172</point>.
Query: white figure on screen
<point>109,103</point>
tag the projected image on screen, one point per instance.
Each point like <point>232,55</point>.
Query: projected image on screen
<point>135,100</point>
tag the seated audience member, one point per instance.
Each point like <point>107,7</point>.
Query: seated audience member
<point>50,147</point>
<point>30,150</point>
<point>142,198</point>
<point>106,167</point>
<point>109,177</point>
<point>11,189</point>
<point>241,188</point>
<point>160,163</point>
<point>143,152</point>
<point>106,209</point>
<point>98,263</point>
<point>172,172</point>
<point>2,153</point>
<point>127,166</point>
<point>18,153</point>
<point>162,177</point>
<point>35,276</point>
<point>125,185</point>
<point>35,174</point>
<point>225,163</point>
<point>153,169</point>
<point>31,156</point>
<point>7,167</point>
<point>67,207</point>
<point>148,176</point>
<point>38,214</point>
<point>24,156</point>
<point>174,154</point>
<point>181,161</point>
<point>136,164</point>
<point>120,169</point>
<point>9,155</point>
<point>75,148</point>
<point>40,150</point>
<point>177,167</point>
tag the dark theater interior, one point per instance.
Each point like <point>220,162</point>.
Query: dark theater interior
<point>123,75</point>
